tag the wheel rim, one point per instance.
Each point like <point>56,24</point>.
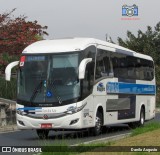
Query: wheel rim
<point>98,124</point>
<point>142,118</point>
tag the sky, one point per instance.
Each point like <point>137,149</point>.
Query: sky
<point>86,18</point>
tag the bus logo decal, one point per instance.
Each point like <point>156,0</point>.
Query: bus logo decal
<point>100,87</point>
<point>45,116</point>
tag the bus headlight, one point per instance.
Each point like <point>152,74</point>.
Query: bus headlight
<point>72,109</point>
<point>19,112</point>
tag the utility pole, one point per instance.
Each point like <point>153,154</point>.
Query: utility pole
<point>108,39</point>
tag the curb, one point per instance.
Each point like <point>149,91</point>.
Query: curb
<point>107,139</point>
<point>11,128</point>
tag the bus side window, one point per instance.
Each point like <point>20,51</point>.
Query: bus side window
<point>89,77</point>
<point>88,81</point>
<point>103,67</point>
<point>120,66</point>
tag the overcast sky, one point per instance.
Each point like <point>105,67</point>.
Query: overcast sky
<point>85,18</point>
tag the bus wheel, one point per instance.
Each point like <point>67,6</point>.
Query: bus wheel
<point>142,117</point>
<point>98,125</point>
<point>42,134</point>
<point>140,122</point>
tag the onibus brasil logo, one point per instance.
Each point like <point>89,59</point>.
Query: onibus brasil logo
<point>129,10</point>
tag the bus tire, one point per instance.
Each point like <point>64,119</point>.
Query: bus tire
<point>42,134</point>
<point>141,121</point>
<point>98,125</point>
<point>142,118</point>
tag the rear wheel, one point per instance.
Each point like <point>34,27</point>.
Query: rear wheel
<point>141,120</point>
<point>98,125</point>
<point>42,134</point>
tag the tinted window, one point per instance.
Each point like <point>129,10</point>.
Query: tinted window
<point>144,69</point>
<point>88,81</point>
<point>103,67</point>
<point>129,67</point>
<point>119,62</point>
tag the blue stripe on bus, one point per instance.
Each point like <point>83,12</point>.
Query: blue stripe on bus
<point>30,108</point>
<point>130,88</point>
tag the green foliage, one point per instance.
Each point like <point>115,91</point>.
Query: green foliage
<point>145,42</point>
<point>6,59</point>
<point>148,127</point>
<point>8,89</point>
<point>93,146</point>
<point>60,147</point>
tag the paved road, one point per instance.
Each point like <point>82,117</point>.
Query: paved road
<point>30,138</point>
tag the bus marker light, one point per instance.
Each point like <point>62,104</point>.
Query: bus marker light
<point>22,60</point>
<point>46,125</point>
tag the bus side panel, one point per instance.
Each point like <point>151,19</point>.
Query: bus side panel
<point>149,102</point>
<point>88,112</point>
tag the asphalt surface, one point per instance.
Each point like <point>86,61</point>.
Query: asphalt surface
<point>30,138</point>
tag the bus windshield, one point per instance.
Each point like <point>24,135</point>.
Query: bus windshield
<point>48,79</point>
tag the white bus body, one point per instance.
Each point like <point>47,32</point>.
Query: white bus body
<point>82,83</point>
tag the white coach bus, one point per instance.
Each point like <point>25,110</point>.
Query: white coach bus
<point>80,83</point>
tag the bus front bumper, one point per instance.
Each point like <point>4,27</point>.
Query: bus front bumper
<point>72,121</point>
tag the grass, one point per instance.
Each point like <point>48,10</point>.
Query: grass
<point>144,136</point>
<point>149,138</point>
<point>148,127</point>
<point>61,148</point>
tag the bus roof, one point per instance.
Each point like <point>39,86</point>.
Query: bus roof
<point>75,44</point>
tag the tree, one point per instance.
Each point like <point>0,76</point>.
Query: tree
<point>15,35</point>
<point>147,42</point>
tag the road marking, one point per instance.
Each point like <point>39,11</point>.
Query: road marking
<point>8,131</point>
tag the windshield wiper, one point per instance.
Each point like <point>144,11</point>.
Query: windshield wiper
<point>36,90</point>
<point>39,86</point>
<point>55,91</point>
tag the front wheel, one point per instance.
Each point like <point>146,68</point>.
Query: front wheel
<point>42,134</point>
<point>98,125</point>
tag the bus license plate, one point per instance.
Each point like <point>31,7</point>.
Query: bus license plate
<point>46,125</point>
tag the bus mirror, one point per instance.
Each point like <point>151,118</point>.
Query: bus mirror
<point>8,70</point>
<point>82,67</point>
